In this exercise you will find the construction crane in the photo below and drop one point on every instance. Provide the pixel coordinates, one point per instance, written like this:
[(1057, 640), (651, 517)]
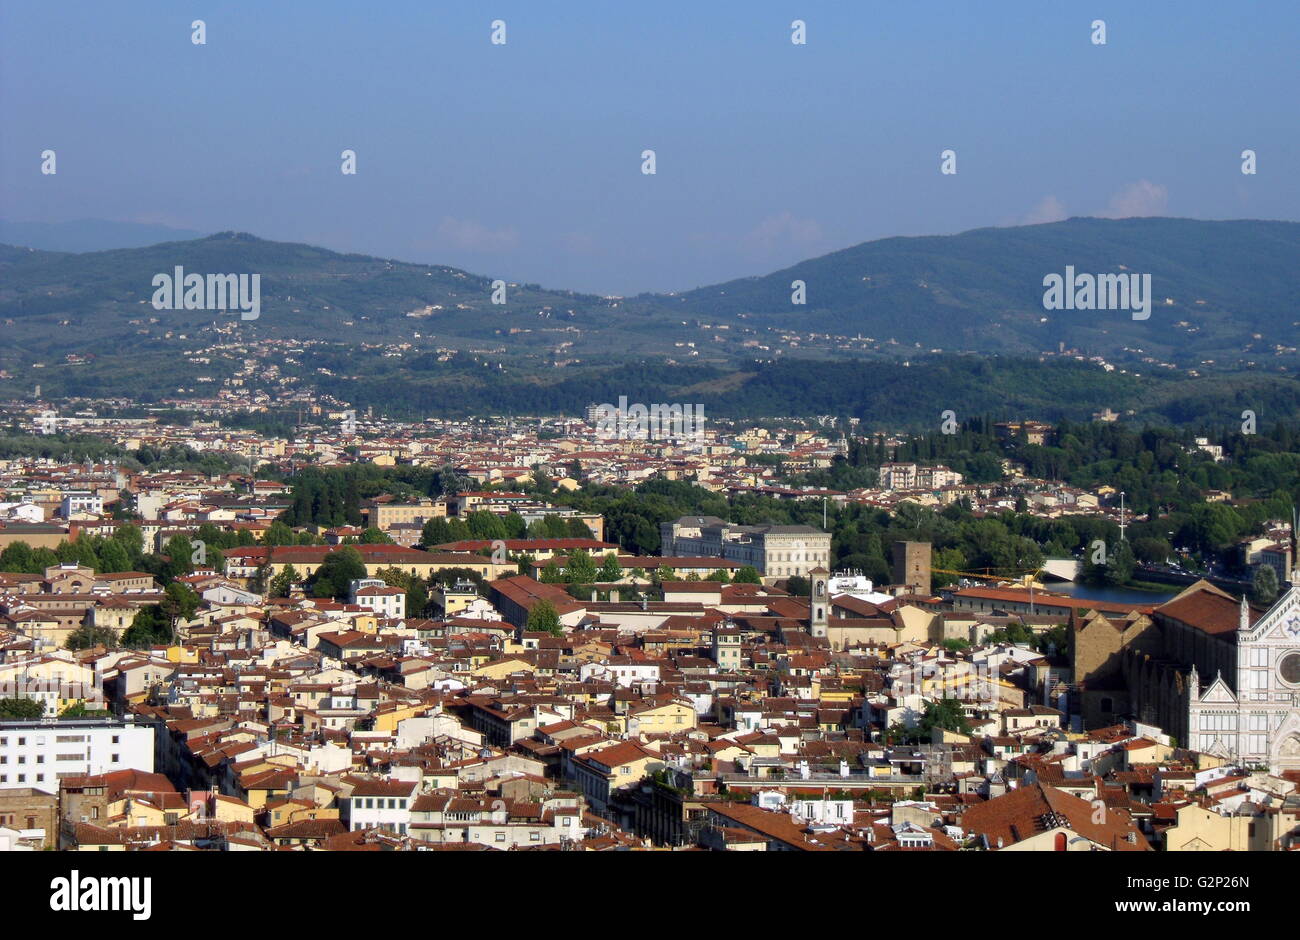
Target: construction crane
[(1028, 575)]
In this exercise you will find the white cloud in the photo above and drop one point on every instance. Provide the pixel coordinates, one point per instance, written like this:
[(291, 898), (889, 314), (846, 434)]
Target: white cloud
[(1048, 209), (781, 231), (470, 235), (1137, 199)]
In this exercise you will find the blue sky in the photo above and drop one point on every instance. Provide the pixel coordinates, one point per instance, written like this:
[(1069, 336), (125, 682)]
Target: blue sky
[(523, 161)]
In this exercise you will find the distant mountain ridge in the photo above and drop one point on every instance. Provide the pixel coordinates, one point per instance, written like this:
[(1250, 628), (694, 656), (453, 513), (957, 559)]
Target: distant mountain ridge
[(977, 291), (982, 289), (1227, 298)]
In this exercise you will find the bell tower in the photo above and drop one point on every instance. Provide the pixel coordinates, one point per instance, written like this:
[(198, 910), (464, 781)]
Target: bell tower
[(1295, 548), (819, 599)]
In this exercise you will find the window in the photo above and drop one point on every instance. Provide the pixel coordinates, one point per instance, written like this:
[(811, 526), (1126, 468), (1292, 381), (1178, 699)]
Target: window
[(1289, 669), (501, 837)]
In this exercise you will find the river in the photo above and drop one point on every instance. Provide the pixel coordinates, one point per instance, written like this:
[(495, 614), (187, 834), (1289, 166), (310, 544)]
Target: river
[(1117, 595)]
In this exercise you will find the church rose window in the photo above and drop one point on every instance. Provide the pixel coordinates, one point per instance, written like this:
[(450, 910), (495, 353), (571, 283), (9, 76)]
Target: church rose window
[(1290, 668)]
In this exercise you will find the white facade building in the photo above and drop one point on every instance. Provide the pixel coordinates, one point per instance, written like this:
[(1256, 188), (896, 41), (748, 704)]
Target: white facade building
[(381, 804), (76, 502), (385, 601), (1255, 720), (623, 671), (39, 753)]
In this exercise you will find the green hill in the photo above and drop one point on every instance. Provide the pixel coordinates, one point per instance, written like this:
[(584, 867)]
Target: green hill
[(888, 332), (982, 290)]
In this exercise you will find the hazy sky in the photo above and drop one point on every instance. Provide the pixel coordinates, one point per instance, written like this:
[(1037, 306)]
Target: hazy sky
[(524, 160)]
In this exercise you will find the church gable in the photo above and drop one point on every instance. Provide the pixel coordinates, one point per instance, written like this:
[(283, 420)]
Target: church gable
[(1282, 622), (1218, 693)]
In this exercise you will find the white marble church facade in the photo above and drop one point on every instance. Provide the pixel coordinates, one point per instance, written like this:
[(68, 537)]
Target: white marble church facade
[(1253, 718)]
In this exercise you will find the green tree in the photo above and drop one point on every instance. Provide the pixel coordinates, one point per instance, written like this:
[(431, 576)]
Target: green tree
[(278, 534), (335, 575), (417, 598), (151, 627), (180, 552), (79, 710), (113, 557), (18, 558), (1152, 550), (945, 713), (436, 531), (180, 602), (1119, 565), (579, 569), (282, 584), (25, 709), (485, 525), (86, 637), (1263, 585), (543, 618), (748, 575), (610, 569), (950, 559), (662, 574)]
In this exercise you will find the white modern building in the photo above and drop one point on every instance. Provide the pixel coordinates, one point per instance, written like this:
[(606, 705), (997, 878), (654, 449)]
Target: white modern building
[(40, 753), (79, 502)]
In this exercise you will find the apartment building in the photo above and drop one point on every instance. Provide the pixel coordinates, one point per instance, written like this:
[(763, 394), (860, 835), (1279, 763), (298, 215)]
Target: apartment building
[(383, 512), (379, 597), (910, 476), (40, 753)]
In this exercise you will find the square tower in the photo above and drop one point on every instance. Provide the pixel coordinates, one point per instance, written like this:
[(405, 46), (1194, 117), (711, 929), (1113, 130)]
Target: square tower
[(912, 566)]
